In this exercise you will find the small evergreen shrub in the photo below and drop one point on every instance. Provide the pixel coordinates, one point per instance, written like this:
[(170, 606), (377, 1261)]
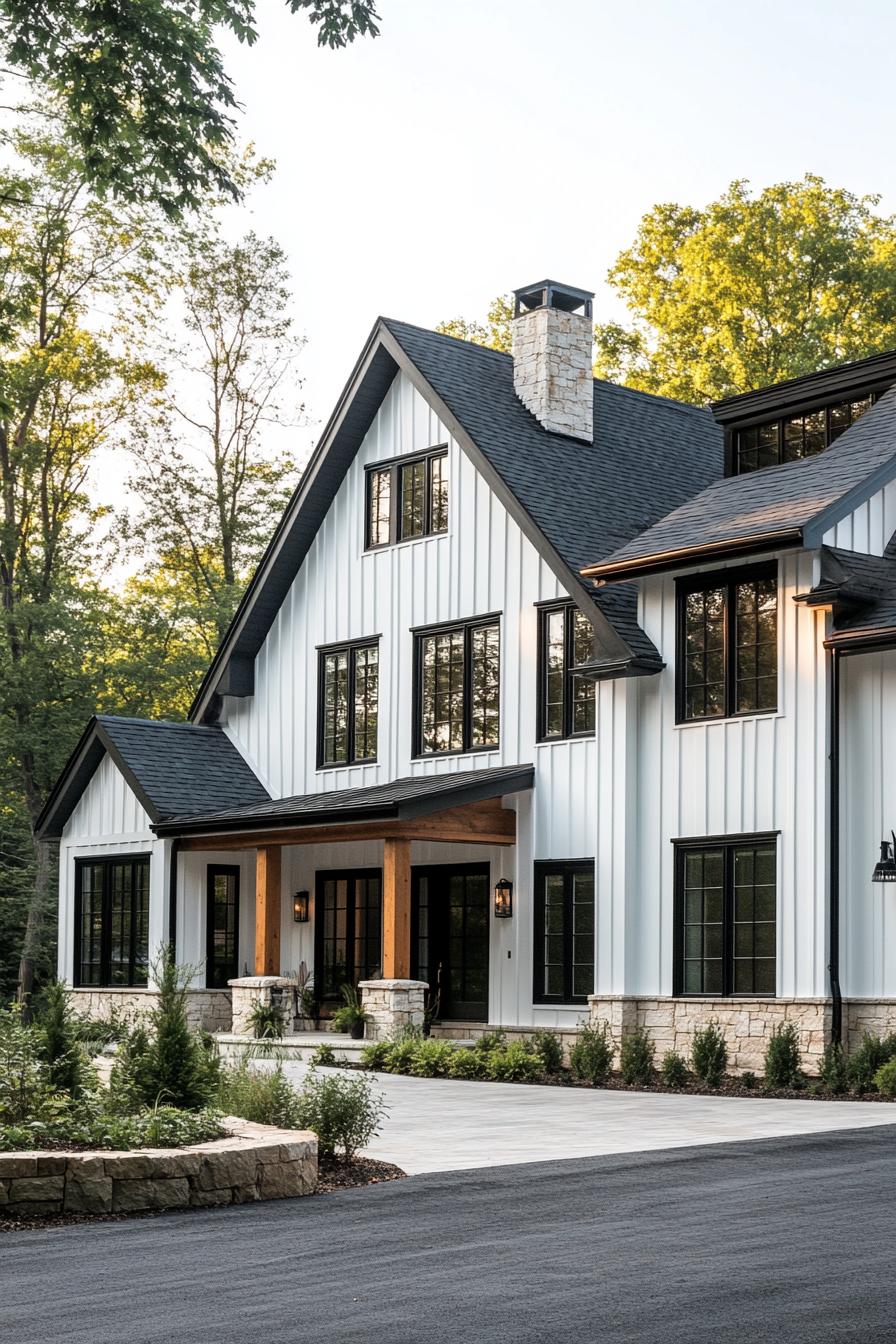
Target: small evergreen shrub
[(263, 1096), (377, 1055), (674, 1070), (343, 1111), (68, 1069), (431, 1059), (885, 1079), (833, 1074), (636, 1058), (709, 1054), (401, 1056), (26, 1090), (592, 1055), (323, 1057), (782, 1057), (515, 1063), (548, 1046), (864, 1063), (467, 1064), (748, 1079)]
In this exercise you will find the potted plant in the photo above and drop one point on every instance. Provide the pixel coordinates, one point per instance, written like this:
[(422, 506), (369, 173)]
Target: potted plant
[(350, 1017), (307, 1008)]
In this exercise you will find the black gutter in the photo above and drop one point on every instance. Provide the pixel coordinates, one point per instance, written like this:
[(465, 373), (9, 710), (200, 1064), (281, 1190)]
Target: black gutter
[(172, 898), (834, 853), (620, 571)]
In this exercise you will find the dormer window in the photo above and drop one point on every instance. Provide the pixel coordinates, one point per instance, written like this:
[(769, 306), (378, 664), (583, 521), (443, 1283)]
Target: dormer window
[(407, 498), (796, 436)]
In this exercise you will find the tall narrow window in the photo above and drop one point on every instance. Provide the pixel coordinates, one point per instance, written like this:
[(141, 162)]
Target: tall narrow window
[(407, 498), (566, 699), (564, 932), (112, 921), (222, 922), (458, 681), (348, 704), (725, 915), (348, 925), (728, 645)]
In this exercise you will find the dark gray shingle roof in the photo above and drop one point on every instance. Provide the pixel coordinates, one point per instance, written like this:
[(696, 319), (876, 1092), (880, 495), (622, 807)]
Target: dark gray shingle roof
[(793, 503), (864, 593)]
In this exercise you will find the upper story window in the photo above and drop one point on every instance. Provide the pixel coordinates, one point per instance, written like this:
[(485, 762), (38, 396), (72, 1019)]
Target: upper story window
[(348, 696), (796, 436), (111, 921), (566, 699), (727, 660), (407, 498), (457, 680)]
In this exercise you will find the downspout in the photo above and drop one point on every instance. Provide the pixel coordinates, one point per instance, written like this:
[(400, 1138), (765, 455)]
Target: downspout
[(172, 898), (834, 852)]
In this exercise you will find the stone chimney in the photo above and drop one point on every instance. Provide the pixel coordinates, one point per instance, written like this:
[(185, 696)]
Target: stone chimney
[(552, 374)]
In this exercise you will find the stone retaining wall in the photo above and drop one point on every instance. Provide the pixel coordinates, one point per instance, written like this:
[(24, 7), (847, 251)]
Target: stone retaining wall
[(253, 1162), (208, 1009)]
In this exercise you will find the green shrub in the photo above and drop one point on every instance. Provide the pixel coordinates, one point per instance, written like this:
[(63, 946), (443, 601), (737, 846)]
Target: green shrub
[(709, 1054), (885, 1079), (409, 1032), (323, 1057), (748, 1079), (87, 1122), (549, 1047), (344, 1112), (490, 1040), (26, 1090), (636, 1058), (592, 1055), (68, 1069), (515, 1063), (782, 1057), (674, 1070), (266, 1020), (401, 1056), (864, 1063), (95, 1035), (431, 1059), (263, 1096), (350, 1013), (377, 1055), (833, 1073), (466, 1063)]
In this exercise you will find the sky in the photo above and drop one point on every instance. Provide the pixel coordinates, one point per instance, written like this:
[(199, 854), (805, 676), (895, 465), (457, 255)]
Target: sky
[(480, 145)]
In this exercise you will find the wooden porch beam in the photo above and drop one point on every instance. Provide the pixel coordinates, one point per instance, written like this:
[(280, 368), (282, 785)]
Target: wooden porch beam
[(397, 910), (267, 910)]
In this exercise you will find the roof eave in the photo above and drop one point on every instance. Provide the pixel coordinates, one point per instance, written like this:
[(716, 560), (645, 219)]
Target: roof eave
[(618, 571)]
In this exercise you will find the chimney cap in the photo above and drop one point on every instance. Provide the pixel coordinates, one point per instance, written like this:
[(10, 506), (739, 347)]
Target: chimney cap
[(550, 294)]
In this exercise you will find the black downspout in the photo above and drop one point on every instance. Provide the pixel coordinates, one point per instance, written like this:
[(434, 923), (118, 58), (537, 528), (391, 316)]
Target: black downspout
[(834, 853), (172, 899)]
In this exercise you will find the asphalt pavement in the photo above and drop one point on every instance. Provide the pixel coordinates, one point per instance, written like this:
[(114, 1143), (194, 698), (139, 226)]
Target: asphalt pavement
[(784, 1241)]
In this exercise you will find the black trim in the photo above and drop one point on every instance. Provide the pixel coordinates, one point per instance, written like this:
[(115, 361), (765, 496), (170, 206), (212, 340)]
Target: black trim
[(844, 382), (140, 858), (834, 657), (570, 671), (468, 627), (728, 844), (567, 868), (351, 876), (350, 647), (395, 466), (618, 571), (729, 579), (212, 871)]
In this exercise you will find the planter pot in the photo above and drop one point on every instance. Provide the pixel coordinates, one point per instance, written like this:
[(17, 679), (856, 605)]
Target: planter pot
[(357, 1031), (426, 1028)]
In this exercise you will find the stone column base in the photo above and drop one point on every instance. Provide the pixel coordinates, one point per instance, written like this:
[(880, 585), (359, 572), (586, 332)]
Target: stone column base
[(252, 989), (392, 1004)]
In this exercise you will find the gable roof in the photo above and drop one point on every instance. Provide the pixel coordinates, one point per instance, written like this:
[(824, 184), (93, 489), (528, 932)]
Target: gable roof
[(171, 768), (861, 589), (789, 505), (573, 500)]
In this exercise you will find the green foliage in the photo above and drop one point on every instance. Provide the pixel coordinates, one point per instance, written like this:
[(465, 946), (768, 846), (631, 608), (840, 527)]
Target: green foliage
[(636, 1054), (266, 1020), (833, 1073), (401, 1055), (263, 1096), (489, 1041), (26, 1092), (142, 89), (782, 1057), (89, 1124), (466, 1063), (350, 1013), (344, 1112), (67, 1066), (709, 1054), (674, 1070), (591, 1057), (864, 1063), (885, 1079), (431, 1059), (323, 1057), (377, 1055), (495, 333), (515, 1063), (549, 1047), (748, 1079)]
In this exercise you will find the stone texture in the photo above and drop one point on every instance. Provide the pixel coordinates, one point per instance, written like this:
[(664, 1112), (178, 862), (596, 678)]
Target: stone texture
[(153, 1193), (252, 989), (552, 373), (208, 1009), (392, 1004), (30, 1188), (86, 1193)]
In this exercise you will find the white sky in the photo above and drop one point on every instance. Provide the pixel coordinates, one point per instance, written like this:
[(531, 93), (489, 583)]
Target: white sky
[(478, 145)]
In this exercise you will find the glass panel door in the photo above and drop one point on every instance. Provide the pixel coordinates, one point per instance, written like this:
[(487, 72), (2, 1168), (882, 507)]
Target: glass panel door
[(451, 937)]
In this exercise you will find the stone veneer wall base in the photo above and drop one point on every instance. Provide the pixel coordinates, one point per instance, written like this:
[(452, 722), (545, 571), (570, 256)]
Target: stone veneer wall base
[(207, 1009), (392, 1004)]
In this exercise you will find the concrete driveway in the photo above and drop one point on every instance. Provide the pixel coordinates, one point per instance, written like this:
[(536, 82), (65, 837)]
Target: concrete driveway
[(442, 1125)]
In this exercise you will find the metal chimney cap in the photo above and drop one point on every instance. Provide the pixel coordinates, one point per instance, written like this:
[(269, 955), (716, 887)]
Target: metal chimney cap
[(550, 294)]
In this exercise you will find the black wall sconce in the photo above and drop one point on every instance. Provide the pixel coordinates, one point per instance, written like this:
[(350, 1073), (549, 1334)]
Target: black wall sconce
[(300, 907), (885, 868), (503, 899)]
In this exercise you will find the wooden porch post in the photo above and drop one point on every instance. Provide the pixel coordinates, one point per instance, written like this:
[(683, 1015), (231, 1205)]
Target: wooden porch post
[(267, 910), (396, 909)]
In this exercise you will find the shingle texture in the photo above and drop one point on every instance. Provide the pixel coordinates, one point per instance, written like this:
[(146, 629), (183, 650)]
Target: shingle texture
[(182, 767), (869, 582), (792, 496), (400, 798)]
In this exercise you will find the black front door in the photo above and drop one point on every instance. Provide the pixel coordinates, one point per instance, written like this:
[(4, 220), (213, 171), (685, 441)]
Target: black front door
[(450, 937)]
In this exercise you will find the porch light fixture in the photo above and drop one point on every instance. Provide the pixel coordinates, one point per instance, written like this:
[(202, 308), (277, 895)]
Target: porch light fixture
[(503, 899), (885, 868), (300, 907)]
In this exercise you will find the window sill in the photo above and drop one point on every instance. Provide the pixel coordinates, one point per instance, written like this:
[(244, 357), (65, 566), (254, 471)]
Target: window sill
[(563, 741), (724, 998)]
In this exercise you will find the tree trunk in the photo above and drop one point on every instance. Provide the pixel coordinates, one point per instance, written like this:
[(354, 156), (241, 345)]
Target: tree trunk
[(34, 925)]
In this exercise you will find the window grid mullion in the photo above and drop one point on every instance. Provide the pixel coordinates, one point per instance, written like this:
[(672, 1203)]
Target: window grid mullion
[(567, 936), (567, 675), (350, 708), (106, 935), (467, 691)]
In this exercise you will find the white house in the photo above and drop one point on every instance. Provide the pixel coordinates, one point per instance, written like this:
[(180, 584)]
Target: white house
[(517, 626)]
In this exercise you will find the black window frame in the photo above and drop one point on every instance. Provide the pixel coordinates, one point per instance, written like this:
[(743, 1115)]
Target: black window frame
[(351, 876), (468, 627), (396, 466), (730, 580), (568, 869), (212, 871), (107, 862), (570, 610), (350, 648), (728, 844), (828, 408)]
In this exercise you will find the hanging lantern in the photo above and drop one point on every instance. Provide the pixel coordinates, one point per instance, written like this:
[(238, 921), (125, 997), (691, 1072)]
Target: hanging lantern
[(300, 907), (885, 868), (503, 899)]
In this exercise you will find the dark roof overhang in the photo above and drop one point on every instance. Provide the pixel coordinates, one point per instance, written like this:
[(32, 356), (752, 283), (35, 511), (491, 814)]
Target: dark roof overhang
[(862, 641), (876, 373), (639, 566), (77, 773)]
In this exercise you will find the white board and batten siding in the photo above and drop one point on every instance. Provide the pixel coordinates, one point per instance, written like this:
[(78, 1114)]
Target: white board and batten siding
[(482, 565), (870, 527)]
